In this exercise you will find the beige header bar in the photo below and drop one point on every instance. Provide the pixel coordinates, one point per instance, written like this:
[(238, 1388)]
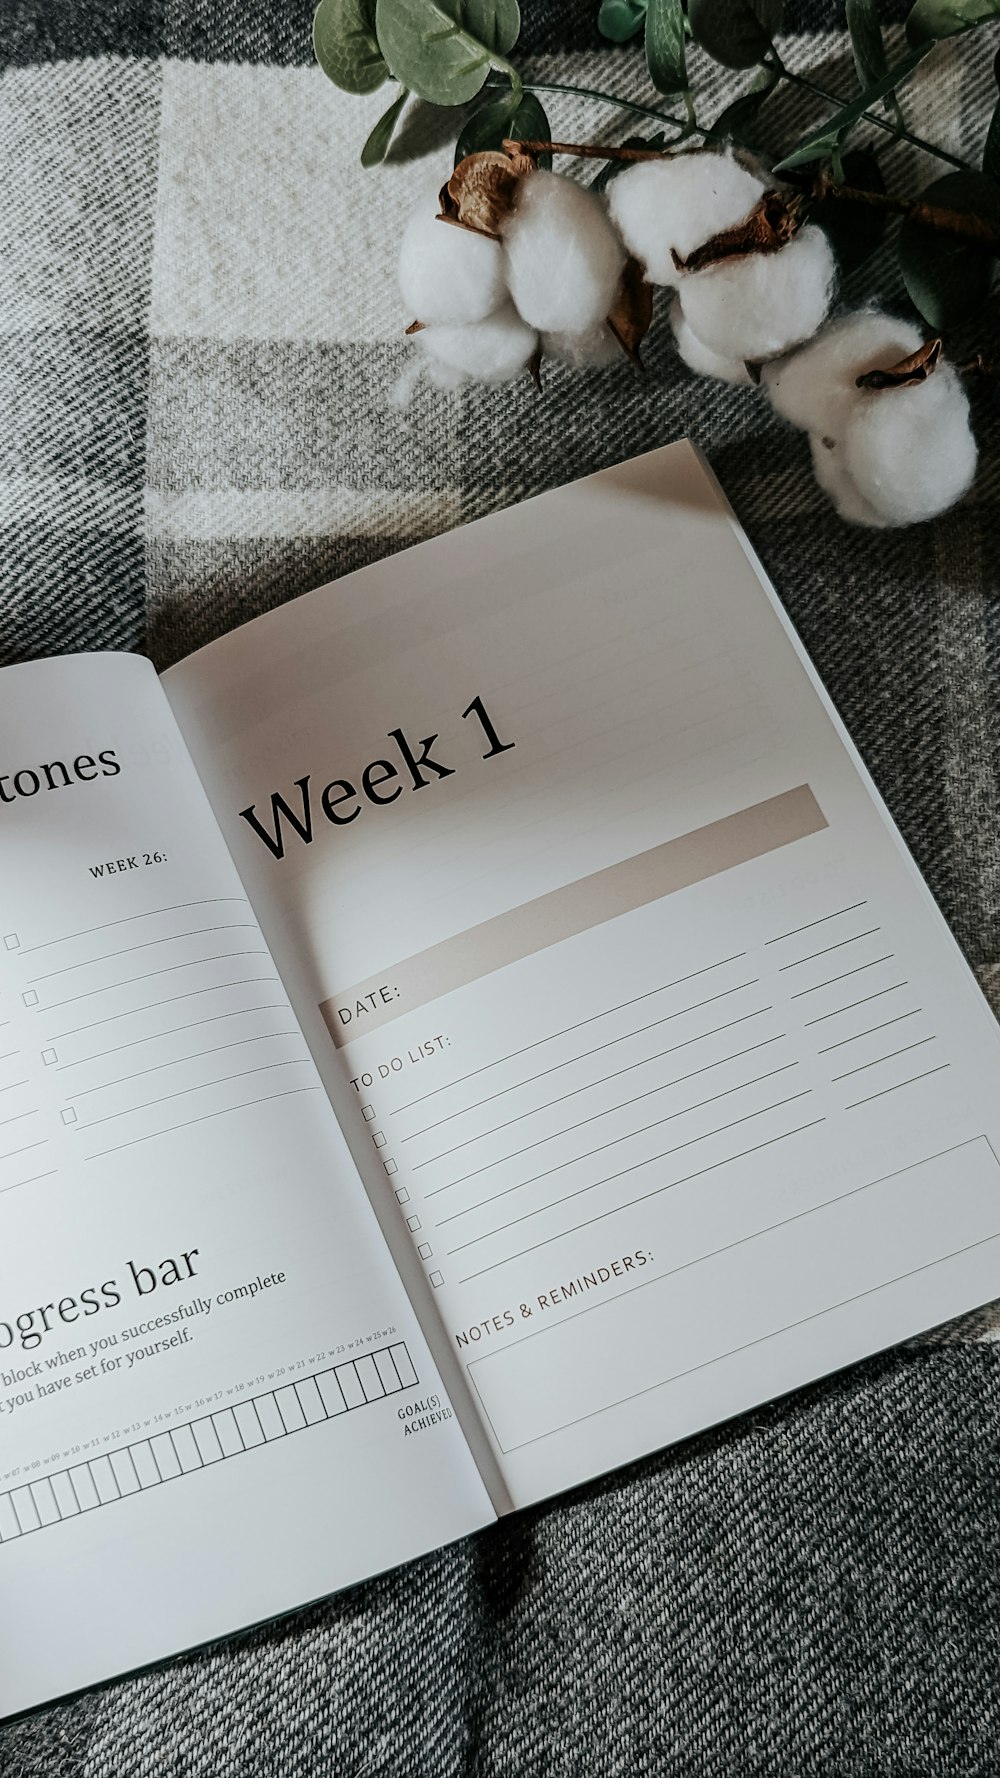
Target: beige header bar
[(577, 907)]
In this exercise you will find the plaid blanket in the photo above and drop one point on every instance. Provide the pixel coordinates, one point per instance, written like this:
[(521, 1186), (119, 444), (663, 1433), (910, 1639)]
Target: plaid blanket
[(202, 416)]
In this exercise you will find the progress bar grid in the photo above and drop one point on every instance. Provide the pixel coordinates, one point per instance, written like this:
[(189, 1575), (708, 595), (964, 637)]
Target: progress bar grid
[(196, 1444)]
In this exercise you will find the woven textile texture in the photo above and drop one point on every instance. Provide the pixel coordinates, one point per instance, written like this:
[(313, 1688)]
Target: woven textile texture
[(204, 410)]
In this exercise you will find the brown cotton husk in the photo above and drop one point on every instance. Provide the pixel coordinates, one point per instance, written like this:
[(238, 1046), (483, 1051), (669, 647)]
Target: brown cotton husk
[(773, 222), (480, 193), (632, 314), (920, 365)]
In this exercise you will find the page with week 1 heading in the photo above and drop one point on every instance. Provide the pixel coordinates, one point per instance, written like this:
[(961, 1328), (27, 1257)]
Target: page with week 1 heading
[(215, 1400), (649, 1039)]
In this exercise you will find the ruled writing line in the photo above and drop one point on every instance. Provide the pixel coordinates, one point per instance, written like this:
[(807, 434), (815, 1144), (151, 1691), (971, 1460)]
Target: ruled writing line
[(898, 1087), (661, 1087), (169, 969), (864, 1066), (584, 1054), (820, 922), (802, 992), (153, 1005), (825, 952), (227, 1111), (634, 1167), (204, 1086), (837, 1010), (870, 1032), (617, 1208), (178, 1061), (68, 937), (606, 1013), (173, 1030), (699, 1105), (169, 939)]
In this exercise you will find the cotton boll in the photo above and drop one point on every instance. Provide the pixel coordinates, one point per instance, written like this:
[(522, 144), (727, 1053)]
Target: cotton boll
[(699, 357), (492, 351), (816, 387), (583, 351), (762, 304), (563, 257), (834, 480), (447, 273), (677, 205), (911, 451)]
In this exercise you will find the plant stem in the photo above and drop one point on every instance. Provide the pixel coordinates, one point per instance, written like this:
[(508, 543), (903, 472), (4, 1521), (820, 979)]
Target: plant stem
[(686, 125), (961, 223), (895, 130)]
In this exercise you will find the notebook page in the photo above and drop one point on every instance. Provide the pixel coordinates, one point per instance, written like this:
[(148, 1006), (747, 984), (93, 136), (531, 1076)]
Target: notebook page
[(647, 1035), (190, 1273)]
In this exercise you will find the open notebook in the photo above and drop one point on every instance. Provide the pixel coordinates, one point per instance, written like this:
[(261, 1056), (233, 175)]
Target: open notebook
[(467, 1029)]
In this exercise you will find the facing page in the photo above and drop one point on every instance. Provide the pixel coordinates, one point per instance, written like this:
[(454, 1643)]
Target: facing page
[(215, 1400)]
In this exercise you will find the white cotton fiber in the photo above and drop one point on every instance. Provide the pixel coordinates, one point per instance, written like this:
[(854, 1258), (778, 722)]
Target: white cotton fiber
[(492, 351), (448, 273), (762, 304), (700, 358), (583, 351), (910, 451), (828, 464), (679, 204), (563, 257), (816, 387)]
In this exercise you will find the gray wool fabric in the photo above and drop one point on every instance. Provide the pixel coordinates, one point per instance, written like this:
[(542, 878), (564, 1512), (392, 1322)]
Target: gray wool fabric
[(205, 409)]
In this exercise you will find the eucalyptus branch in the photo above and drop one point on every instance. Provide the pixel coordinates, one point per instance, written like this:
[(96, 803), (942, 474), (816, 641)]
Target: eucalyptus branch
[(895, 129), (686, 126)]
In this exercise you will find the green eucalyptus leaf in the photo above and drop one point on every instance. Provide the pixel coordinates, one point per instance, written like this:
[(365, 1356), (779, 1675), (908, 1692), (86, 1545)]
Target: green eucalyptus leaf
[(487, 126), (740, 119), (611, 169), (991, 150), (665, 34), (737, 33), (854, 230), (931, 19), (346, 47), (530, 124), (444, 49), (377, 146), (946, 278), (866, 41), (821, 142), (621, 20), (491, 123)]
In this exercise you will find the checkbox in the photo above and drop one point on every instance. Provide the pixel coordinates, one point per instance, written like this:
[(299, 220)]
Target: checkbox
[(29, 997), (413, 1223), (368, 1112), (390, 1167), (11, 941), (69, 1115), (437, 1280), (378, 1138), (425, 1250), (402, 1196), (49, 1058)]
